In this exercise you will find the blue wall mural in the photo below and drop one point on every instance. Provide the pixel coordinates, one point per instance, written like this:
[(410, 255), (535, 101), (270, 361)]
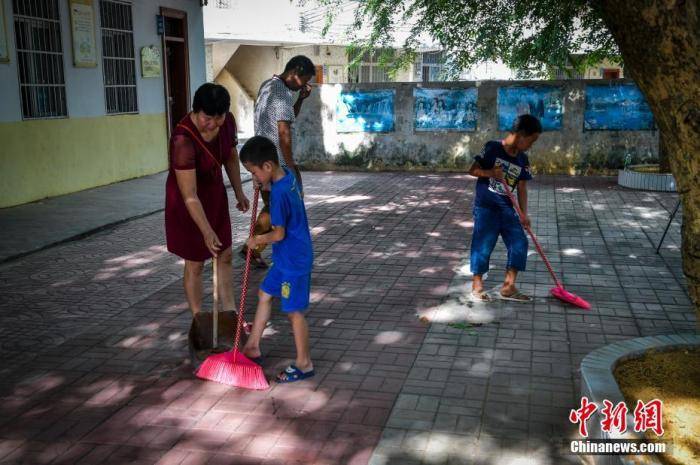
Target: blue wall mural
[(619, 107), (445, 109), (365, 111), (544, 102)]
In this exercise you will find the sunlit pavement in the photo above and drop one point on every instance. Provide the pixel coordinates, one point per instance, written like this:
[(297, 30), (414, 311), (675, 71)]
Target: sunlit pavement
[(94, 363)]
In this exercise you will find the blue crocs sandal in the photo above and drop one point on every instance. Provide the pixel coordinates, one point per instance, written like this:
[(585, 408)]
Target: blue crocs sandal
[(292, 374)]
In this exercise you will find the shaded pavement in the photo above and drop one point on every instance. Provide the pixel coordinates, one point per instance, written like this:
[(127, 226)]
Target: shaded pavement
[(93, 334)]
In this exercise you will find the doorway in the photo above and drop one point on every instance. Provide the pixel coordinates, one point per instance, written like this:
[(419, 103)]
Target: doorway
[(177, 72), (612, 73)]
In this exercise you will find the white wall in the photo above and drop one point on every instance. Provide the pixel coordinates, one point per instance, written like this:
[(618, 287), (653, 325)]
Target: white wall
[(242, 106), (254, 20), (85, 86), (252, 65)]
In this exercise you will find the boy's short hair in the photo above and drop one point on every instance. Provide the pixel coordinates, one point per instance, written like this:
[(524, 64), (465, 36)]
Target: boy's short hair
[(257, 150), (301, 65), (212, 99), (526, 125)]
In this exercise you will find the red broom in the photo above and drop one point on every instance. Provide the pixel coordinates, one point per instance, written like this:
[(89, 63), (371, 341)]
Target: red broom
[(559, 292), (232, 367)]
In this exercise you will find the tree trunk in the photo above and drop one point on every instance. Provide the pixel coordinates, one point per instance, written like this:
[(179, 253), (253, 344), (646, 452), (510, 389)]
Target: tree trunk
[(664, 161), (660, 44)]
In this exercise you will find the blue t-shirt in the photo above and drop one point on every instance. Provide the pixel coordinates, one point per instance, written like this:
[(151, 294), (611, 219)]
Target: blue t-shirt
[(294, 254), (489, 192)]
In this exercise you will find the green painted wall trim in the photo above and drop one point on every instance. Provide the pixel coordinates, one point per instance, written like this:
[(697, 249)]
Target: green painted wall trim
[(45, 158)]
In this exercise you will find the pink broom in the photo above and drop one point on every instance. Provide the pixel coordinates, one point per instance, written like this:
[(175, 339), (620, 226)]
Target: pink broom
[(558, 291), (232, 367)]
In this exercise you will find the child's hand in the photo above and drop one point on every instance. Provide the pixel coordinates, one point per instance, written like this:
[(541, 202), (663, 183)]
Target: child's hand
[(525, 221), (497, 172), (252, 242)]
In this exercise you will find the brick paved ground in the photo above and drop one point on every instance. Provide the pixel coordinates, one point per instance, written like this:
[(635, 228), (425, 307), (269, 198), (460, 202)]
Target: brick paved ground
[(93, 334)]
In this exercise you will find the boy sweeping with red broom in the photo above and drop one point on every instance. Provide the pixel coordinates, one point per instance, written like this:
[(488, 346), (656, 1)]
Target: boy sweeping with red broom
[(502, 162), (289, 278)]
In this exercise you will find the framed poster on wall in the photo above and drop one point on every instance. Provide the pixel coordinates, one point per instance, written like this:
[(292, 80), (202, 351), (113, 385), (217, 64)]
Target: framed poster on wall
[(4, 52), (82, 24), (444, 109), (616, 107), (544, 102), (150, 61), (365, 111)]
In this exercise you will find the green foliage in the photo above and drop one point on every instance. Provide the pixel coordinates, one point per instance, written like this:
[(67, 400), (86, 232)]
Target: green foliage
[(613, 158), (464, 327), (528, 35), (359, 158)]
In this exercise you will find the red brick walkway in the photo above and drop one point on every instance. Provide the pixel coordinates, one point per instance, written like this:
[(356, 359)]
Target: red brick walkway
[(94, 360), (93, 363)]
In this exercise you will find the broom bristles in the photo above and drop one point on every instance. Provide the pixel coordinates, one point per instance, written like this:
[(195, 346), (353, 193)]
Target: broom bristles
[(234, 369), (568, 297)]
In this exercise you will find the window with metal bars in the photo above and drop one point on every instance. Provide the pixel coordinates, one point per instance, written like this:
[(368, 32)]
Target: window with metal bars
[(118, 57), (561, 73), (433, 58), (368, 73), (40, 58), (369, 69), (433, 66)]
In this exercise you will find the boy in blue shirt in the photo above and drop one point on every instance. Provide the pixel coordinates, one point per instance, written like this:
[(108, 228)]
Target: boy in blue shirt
[(289, 278), (494, 214)]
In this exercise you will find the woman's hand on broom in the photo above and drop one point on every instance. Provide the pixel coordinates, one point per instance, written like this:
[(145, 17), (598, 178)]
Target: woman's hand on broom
[(525, 221), (211, 240)]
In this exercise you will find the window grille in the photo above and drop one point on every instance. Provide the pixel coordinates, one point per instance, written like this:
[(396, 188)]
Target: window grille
[(40, 58), (369, 69), (433, 58), (118, 58), (433, 66), (561, 73)]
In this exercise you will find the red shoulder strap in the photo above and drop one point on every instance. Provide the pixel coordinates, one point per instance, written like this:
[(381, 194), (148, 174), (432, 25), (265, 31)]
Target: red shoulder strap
[(201, 144)]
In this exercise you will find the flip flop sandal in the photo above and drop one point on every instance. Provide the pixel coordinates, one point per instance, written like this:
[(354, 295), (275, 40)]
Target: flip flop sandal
[(476, 297), (517, 296), (292, 374)]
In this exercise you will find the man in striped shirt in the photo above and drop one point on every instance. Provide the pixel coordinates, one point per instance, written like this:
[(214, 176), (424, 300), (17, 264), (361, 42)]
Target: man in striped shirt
[(275, 112)]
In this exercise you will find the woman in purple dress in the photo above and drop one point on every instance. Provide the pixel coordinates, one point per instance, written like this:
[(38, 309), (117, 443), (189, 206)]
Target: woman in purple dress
[(197, 222)]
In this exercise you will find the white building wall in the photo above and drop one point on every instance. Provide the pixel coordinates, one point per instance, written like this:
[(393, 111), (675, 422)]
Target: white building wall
[(85, 86)]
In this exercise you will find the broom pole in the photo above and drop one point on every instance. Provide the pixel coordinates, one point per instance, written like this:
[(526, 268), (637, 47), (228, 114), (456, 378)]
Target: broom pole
[(215, 311), (246, 271), (514, 201)]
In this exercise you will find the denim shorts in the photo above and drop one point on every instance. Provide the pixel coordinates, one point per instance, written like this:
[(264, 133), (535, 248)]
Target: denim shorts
[(489, 223)]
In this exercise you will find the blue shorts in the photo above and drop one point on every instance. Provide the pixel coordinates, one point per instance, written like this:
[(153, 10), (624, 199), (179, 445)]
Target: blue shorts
[(488, 225), (293, 291)]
